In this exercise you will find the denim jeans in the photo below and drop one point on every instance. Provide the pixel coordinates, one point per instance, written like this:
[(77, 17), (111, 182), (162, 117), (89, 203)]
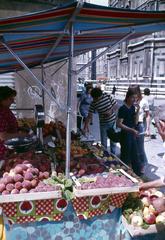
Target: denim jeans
[(103, 133), (140, 144)]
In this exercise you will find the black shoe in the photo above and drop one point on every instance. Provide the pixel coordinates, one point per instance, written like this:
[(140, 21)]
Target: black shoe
[(91, 123)]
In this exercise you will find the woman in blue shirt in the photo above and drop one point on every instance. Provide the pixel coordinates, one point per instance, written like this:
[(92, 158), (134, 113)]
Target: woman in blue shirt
[(127, 122)]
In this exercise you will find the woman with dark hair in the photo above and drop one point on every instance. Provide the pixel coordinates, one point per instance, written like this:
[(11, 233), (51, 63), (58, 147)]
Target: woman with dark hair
[(142, 120), (8, 122), (127, 122)]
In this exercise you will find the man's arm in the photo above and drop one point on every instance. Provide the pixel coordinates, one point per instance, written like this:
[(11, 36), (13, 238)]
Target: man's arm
[(153, 184), (161, 129), (147, 122)]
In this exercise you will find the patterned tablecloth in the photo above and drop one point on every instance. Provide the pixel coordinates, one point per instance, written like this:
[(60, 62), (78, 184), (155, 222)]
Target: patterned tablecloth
[(103, 227)]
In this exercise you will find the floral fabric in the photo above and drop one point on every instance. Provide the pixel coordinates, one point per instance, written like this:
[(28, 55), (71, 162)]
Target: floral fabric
[(105, 227)]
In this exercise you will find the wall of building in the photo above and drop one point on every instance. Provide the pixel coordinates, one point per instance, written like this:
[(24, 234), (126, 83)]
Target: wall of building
[(140, 61)]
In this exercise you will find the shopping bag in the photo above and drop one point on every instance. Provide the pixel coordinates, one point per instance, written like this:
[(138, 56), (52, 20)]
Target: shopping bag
[(114, 134)]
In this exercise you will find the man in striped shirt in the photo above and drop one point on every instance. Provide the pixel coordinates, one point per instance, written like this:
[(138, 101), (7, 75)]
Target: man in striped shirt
[(105, 105)]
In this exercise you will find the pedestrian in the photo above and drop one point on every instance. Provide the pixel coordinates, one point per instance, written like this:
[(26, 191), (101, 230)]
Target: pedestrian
[(150, 98), (106, 106), (84, 103), (113, 90), (143, 116), (127, 117)]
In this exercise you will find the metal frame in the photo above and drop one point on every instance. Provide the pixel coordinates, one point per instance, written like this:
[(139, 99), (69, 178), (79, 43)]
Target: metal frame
[(70, 21), (69, 107), (106, 50), (2, 41)]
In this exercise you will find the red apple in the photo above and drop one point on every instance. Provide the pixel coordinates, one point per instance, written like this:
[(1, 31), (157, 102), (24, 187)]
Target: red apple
[(150, 218), (153, 210), (159, 204)]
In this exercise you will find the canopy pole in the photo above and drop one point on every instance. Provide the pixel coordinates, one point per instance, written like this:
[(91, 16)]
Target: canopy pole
[(30, 72), (43, 94), (68, 127), (106, 50)]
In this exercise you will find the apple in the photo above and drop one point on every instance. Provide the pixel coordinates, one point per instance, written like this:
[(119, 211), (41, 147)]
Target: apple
[(160, 219), (150, 218), (162, 214), (159, 194), (145, 201), (145, 211), (147, 193), (136, 220), (153, 197), (153, 210), (159, 204)]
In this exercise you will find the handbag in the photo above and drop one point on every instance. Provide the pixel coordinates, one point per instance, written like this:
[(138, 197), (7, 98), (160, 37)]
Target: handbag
[(114, 133)]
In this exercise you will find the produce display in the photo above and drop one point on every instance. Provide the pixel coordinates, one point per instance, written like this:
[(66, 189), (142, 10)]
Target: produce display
[(145, 209), (40, 161), (66, 185), (106, 181), (24, 178), (26, 123)]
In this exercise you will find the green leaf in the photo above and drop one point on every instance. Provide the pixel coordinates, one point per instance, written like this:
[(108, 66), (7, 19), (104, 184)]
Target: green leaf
[(145, 226), (68, 195), (68, 183)]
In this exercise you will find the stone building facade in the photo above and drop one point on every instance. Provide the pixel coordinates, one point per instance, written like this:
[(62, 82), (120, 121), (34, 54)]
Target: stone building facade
[(139, 61)]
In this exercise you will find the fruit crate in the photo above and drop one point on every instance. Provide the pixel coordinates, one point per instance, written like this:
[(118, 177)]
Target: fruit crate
[(31, 207), (158, 229), (79, 192)]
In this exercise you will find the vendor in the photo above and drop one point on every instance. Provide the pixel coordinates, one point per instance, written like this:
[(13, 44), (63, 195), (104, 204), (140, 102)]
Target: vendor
[(8, 122)]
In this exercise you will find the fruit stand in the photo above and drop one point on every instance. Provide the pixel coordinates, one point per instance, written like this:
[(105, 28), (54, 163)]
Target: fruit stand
[(37, 200)]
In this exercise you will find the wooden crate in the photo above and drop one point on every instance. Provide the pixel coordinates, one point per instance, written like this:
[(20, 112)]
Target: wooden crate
[(138, 231)]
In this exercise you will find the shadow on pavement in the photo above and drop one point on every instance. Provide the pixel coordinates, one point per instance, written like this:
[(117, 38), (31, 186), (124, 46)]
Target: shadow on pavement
[(150, 172)]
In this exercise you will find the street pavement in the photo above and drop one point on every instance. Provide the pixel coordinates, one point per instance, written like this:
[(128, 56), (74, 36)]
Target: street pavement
[(153, 148)]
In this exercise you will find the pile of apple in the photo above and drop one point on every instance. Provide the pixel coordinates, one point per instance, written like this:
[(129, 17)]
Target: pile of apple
[(152, 209)]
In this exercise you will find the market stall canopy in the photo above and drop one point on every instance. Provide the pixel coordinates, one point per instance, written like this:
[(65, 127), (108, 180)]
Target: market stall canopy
[(44, 36)]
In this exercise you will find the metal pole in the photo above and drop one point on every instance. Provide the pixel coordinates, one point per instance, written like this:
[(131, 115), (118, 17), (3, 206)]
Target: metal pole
[(106, 50), (30, 72), (68, 130), (93, 65), (43, 94)]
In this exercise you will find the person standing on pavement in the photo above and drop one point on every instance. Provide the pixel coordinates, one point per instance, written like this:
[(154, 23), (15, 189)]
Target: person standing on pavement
[(143, 115), (126, 120), (84, 102), (106, 106), (150, 98), (113, 90)]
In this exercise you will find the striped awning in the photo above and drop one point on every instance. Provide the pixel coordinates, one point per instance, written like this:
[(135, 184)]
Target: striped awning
[(44, 36)]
